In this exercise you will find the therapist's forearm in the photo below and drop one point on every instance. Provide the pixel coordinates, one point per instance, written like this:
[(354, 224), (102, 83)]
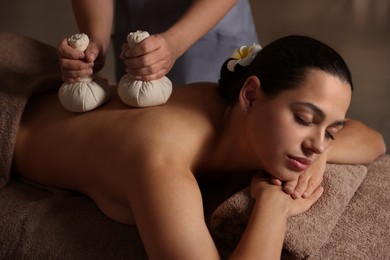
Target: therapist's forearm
[(199, 19), (95, 18)]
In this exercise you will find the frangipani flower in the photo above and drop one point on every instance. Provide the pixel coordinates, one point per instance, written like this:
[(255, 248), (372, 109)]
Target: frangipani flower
[(243, 56)]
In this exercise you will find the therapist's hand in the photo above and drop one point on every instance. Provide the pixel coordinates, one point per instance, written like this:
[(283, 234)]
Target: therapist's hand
[(151, 59), (75, 64)]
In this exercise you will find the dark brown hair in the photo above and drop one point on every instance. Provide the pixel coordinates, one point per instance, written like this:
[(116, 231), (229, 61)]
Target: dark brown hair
[(283, 65)]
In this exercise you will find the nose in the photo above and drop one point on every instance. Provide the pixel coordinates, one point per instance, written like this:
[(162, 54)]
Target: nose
[(316, 143)]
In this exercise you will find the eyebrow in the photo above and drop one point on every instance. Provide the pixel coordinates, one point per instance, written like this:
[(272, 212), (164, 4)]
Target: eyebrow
[(319, 112)]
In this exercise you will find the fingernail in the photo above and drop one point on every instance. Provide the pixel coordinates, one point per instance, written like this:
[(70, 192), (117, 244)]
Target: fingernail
[(296, 195), (276, 182)]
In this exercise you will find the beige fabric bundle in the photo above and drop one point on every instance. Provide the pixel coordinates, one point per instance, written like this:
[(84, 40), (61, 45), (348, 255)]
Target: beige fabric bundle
[(87, 94), (138, 93)]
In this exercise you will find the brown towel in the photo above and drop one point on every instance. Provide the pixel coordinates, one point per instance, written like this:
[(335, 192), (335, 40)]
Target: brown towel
[(26, 67), (363, 230), (41, 223), (305, 233)]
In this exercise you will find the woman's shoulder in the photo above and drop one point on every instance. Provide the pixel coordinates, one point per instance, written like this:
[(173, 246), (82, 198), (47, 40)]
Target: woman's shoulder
[(182, 127)]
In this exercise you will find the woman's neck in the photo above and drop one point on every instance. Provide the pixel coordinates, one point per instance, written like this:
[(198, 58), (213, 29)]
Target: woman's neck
[(231, 150)]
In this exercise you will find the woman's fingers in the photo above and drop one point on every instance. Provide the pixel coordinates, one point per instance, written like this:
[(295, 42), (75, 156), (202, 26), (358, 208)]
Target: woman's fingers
[(276, 182), (301, 205), (311, 186)]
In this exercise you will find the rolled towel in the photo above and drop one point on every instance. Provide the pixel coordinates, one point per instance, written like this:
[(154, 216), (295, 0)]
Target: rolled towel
[(305, 233), (87, 94), (138, 93)]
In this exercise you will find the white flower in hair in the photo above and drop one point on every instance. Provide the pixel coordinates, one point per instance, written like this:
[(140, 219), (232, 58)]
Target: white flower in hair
[(243, 56)]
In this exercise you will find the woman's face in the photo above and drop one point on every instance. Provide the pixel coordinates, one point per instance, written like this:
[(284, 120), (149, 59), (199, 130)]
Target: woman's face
[(289, 132)]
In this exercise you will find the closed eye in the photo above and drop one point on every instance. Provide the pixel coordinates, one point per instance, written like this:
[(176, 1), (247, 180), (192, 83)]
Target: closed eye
[(302, 121), (330, 136)]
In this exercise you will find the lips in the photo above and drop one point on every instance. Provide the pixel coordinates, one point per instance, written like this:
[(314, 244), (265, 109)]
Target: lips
[(298, 163)]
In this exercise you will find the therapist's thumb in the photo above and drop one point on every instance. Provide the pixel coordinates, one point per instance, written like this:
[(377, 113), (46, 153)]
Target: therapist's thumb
[(91, 52)]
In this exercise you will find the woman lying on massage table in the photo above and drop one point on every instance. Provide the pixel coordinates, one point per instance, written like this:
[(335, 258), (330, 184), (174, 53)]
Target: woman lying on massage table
[(280, 111)]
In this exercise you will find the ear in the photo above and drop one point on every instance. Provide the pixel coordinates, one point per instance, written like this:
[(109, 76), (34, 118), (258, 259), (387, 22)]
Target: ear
[(249, 93)]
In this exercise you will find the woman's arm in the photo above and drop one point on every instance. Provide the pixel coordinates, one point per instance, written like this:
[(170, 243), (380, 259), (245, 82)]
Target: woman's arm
[(264, 235), (356, 143), (159, 52), (167, 207)]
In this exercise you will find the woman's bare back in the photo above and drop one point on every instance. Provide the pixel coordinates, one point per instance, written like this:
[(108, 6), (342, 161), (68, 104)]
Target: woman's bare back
[(96, 152)]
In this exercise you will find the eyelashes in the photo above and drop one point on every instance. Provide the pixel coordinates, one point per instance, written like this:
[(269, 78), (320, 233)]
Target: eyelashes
[(306, 123), (330, 136), (302, 121)]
